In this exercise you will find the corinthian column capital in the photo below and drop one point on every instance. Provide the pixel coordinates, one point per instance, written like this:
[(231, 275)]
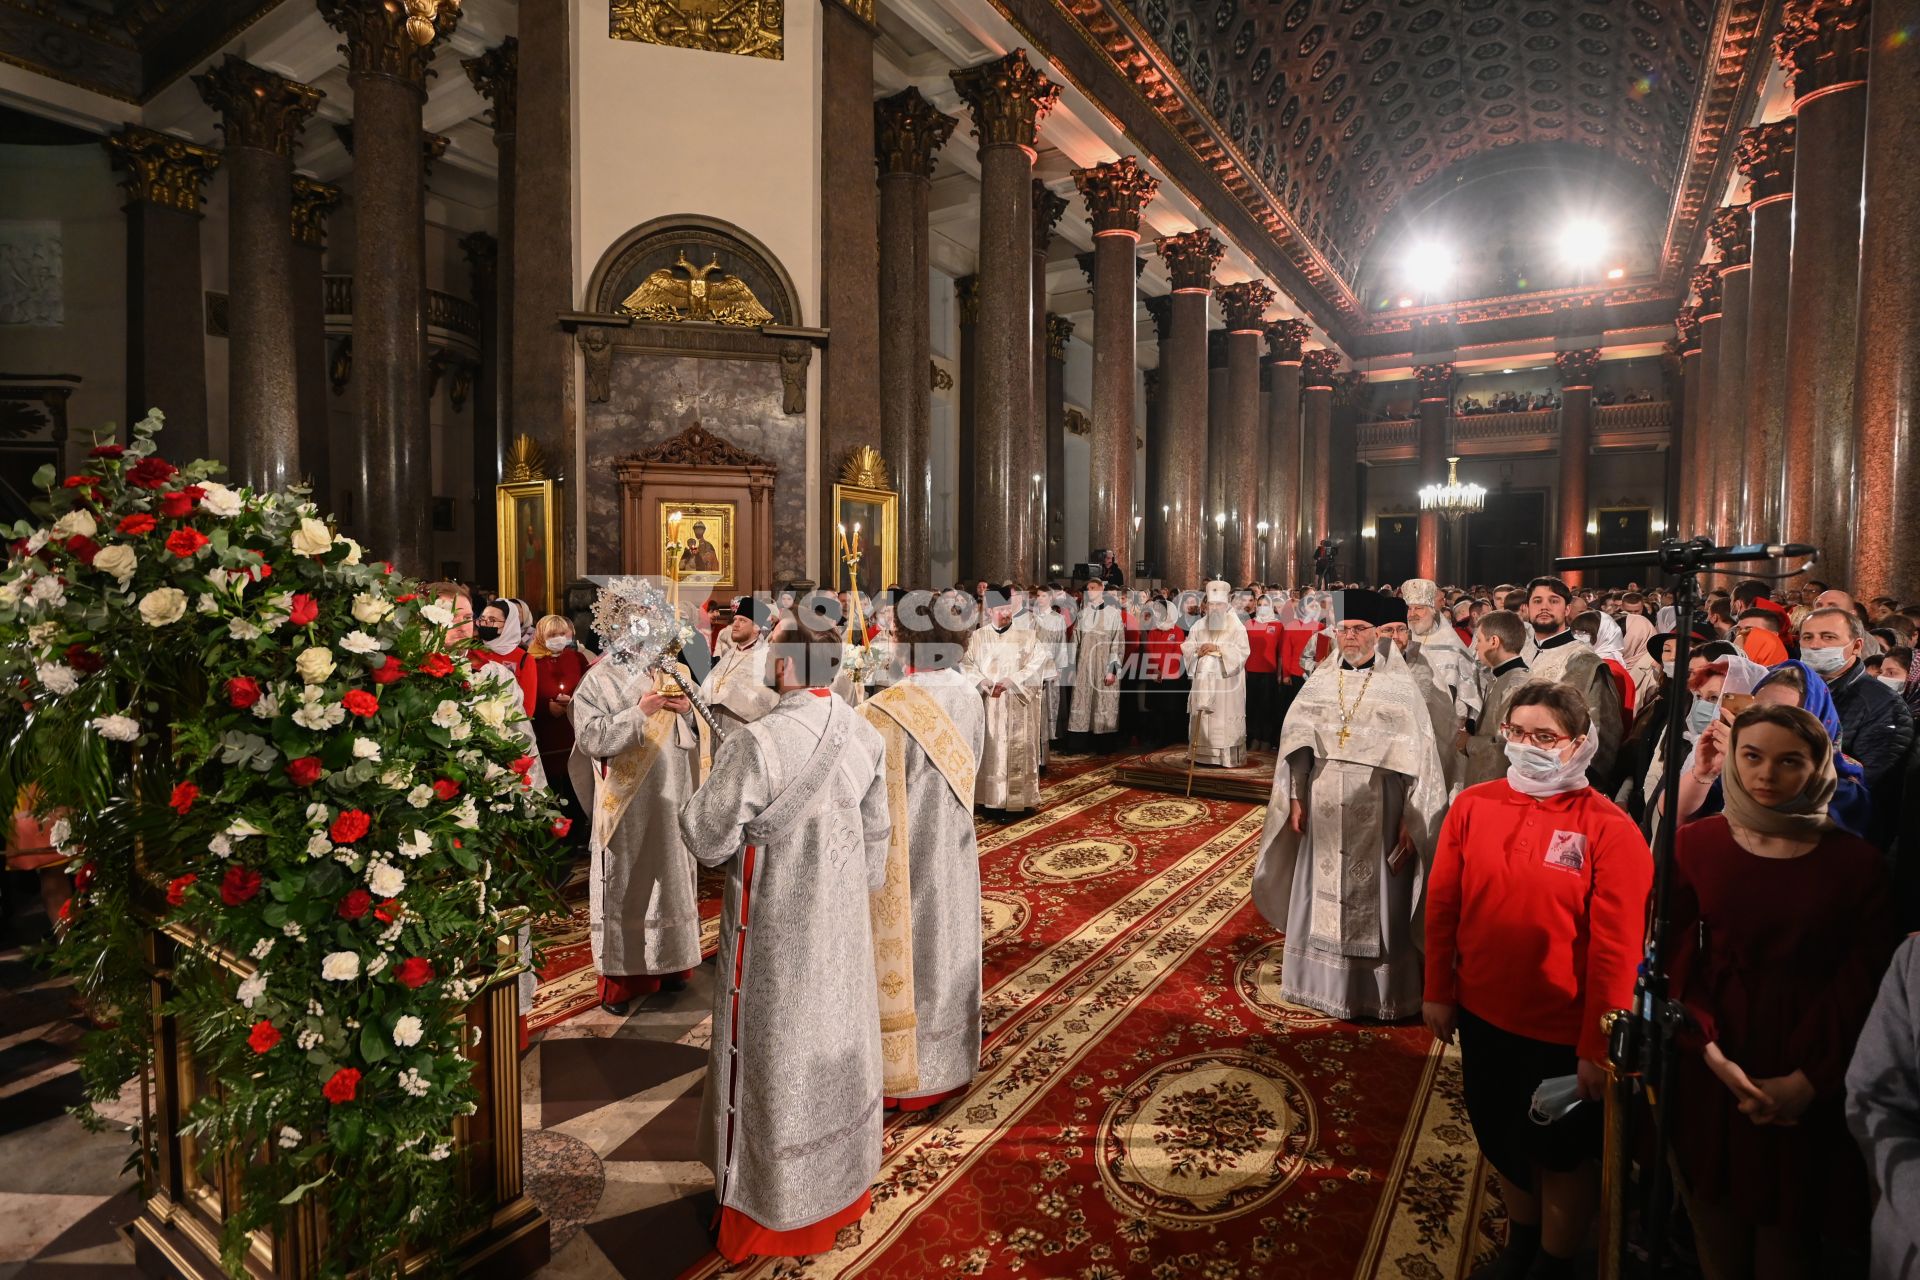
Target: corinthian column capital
[(1048, 209), (156, 168), (1191, 257), (495, 76), (1764, 156), (258, 109), (382, 40), (1008, 99), (1577, 367), (1285, 339), (1243, 305), (312, 201), (1823, 43), (1731, 228), (908, 132), (1318, 367), (1115, 193)]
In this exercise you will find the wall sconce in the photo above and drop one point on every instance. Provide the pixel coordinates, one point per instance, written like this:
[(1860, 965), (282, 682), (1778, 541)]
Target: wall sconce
[(1367, 532)]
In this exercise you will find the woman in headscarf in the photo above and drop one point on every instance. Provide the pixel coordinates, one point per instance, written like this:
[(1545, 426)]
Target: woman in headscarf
[(1636, 629), (499, 630), (1780, 928)]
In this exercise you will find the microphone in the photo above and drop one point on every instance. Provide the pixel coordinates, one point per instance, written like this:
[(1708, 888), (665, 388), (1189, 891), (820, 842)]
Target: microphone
[(1673, 553)]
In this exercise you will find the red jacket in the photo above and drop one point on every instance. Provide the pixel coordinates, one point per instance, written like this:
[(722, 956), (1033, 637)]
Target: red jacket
[(1536, 912), (1293, 643), (1160, 656), (1263, 646)]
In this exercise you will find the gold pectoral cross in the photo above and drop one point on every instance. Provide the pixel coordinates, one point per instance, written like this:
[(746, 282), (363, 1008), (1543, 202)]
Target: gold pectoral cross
[(1345, 733)]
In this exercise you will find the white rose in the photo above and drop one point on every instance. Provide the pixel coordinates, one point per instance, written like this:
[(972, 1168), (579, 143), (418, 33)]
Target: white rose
[(492, 712), (75, 524), (406, 1031), (311, 538), (218, 499), (118, 561), (116, 728), (315, 664), (49, 592), (386, 880), (353, 548), (366, 749), (58, 677), (370, 606), (340, 966), (163, 606), (62, 830), (39, 539), (437, 614), (361, 642), (447, 714)]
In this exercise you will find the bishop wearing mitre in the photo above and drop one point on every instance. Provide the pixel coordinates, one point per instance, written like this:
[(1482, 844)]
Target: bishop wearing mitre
[(1216, 652), (1008, 665), (1351, 825), (796, 812), (926, 918), (739, 687), (1456, 673), (1101, 633), (637, 754)]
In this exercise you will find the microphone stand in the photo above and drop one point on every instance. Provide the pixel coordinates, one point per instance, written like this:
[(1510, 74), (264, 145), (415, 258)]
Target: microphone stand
[(1642, 1040)]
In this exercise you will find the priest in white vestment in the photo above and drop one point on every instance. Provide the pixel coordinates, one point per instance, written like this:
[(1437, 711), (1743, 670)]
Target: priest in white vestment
[(632, 732), (1351, 825), (1008, 665), (1216, 653), (740, 685), (796, 811), (926, 919), (1100, 640)]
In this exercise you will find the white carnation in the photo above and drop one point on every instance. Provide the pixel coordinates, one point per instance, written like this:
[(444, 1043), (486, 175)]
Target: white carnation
[(163, 606), (241, 629), (117, 561), (311, 538), (386, 880), (219, 500), (361, 642), (314, 664), (370, 607), (116, 728), (416, 843), (251, 989), (437, 614), (58, 677), (340, 966), (366, 749)]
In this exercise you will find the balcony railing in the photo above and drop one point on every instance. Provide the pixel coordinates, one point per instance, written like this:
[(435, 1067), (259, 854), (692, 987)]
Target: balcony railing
[(452, 321), (1620, 426)]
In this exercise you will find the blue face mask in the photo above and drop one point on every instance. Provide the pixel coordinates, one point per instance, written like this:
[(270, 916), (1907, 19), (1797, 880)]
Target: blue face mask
[(1700, 715)]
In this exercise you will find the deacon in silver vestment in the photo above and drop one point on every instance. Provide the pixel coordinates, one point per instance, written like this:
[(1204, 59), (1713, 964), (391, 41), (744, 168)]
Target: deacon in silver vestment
[(1100, 634), (1008, 665)]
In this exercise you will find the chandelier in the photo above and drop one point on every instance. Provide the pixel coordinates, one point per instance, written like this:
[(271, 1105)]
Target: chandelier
[(1452, 499)]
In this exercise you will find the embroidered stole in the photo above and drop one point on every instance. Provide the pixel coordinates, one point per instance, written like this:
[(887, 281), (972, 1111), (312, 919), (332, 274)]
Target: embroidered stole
[(623, 775), (900, 712)]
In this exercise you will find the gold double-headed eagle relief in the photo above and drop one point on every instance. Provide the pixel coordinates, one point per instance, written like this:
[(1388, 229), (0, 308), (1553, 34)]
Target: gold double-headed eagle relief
[(749, 28), (664, 296)]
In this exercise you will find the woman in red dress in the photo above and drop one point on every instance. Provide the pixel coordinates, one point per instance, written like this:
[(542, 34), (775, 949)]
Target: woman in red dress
[(548, 675), (1781, 926)]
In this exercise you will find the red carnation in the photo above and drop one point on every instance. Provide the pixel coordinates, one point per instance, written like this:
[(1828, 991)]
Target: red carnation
[(184, 794), (260, 572), (177, 888), (350, 826), (265, 1035), (83, 548), (342, 1086), (239, 885), (413, 972), (561, 826), (407, 598), (78, 482), (83, 659), (186, 542), (445, 788), (107, 451), (136, 524), (151, 473), (435, 664), (305, 771), (389, 910), (360, 702), (83, 877), (179, 504), (243, 691), (303, 610), (522, 766), (355, 904), (389, 671)]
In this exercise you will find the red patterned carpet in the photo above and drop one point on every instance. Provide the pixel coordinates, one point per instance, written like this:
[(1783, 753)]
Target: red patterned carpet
[(1147, 1106)]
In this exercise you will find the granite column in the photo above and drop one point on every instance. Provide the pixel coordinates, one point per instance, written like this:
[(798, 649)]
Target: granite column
[(489, 468), (1213, 524), (1244, 306), (1435, 384), (966, 291), (1576, 451), (1317, 370), (1680, 445), (1048, 209), (1159, 309), (1282, 488), (1054, 453), (1190, 259), (1706, 285), (1766, 155), (495, 75), (1730, 229), (311, 203)]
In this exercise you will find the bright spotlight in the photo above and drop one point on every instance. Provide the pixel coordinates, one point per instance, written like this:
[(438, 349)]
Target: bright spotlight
[(1428, 266), (1582, 243)]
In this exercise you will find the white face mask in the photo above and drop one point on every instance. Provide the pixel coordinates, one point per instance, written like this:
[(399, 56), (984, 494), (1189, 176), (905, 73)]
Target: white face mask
[(1825, 661), (1535, 762), (1896, 683), (557, 643), (1667, 667)]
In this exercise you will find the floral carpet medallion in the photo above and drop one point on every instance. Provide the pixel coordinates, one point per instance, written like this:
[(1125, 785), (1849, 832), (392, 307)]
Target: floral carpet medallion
[(1205, 1138), (1078, 860), (1002, 915), (1257, 978), (1162, 815)]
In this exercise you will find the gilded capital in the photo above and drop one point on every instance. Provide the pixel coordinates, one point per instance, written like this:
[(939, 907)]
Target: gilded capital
[(1706, 286), (1686, 329), (432, 147), (495, 75), (1160, 310), (379, 42), (1764, 155), (1115, 193), (967, 290), (1008, 99), (258, 109), (908, 132), (1318, 367), (1285, 339), (312, 201), (1823, 43), (1059, 329), (1244, 305), (1048, 209), (1348, 388), (157, 168), (1731, 228), (1577, 367), (1435, 381), (1190, 258)]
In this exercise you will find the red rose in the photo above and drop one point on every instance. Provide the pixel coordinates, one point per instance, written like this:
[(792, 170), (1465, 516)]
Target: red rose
[(350, 826), (305, 771), (265, 1036), (184, 794), (83, 877), (342, 1086), (407, 598), (83, 659), (561, 826), (389, 671), (243, 691), (413, 972), (136, 524), (435, 664), (360, 702), (107, 451), (386, 567), (78, 482), (355, 904), (83, 548), (303, 610), (239, 885), (186, 542), (177, 889), (151, 473), (445, 788), (522, 766), (389, 910), (179, 504), (260, 572)]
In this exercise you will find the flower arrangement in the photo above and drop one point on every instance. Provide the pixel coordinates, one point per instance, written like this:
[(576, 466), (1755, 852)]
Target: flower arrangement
[(243, 731)]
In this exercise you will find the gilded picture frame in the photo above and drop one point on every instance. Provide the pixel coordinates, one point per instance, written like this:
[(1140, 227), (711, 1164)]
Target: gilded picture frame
[(877, 512), (708, 529), (529, 543)]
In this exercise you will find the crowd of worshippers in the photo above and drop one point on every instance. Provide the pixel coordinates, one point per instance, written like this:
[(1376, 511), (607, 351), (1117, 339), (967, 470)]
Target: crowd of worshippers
[(1464, 783)]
